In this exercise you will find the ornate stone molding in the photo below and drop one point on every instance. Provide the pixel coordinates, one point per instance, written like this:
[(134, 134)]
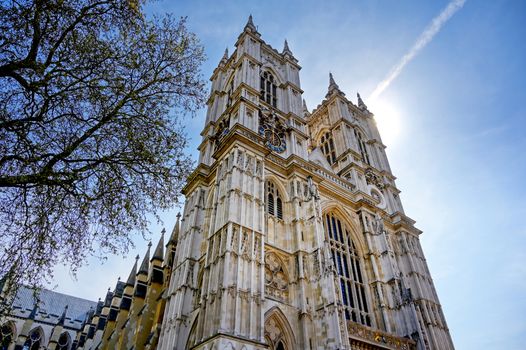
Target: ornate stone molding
[(384, 340)]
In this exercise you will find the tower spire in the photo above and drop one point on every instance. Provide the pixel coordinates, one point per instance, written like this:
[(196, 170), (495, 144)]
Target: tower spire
[(333, 87), (250, 25), (224, 58), (286, 49), (305, 109), (145, 261), (361, 105)]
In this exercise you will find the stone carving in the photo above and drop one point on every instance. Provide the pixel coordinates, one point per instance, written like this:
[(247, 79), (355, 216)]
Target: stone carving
[(361, 332), (276, 281), (372, 179), (272, 331), (221, 130), (378, 224)]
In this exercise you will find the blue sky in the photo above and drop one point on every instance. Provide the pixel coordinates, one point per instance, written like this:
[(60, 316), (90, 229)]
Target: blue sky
[(452, 120)]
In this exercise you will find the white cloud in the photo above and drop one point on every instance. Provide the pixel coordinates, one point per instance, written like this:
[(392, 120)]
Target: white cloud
[(425, 38)]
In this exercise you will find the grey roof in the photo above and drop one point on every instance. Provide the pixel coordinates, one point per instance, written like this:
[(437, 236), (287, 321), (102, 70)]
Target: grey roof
[(51, 307)]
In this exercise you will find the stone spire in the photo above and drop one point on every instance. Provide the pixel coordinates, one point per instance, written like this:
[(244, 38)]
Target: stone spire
[(145, 261), (224, 58), (286, 49), (305, 109), (133, 272), (250, 25), (333, 87), (159, 250), (361, 105)]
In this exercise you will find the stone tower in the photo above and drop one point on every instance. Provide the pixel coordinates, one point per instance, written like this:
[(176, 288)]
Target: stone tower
[(293, 235)]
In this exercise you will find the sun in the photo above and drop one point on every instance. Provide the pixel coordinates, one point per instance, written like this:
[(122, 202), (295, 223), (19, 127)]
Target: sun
[(388, 120)]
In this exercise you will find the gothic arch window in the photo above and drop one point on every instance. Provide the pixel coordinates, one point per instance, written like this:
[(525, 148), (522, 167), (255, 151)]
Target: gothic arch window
[(6, 335), (63, 341), (362, 146), (347, 262), (274, 201), (327, 147), (34, 340), (268, 88)]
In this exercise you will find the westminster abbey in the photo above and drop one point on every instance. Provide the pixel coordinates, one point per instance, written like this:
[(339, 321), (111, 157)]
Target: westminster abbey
[(293, 236)]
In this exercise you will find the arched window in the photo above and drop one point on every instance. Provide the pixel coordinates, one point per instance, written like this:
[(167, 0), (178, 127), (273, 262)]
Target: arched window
[(268, 89), (347, 263), (274, 201), (280, 346), (63, 341), (327, 147), (34, 340), (362, 146), (6, 335)]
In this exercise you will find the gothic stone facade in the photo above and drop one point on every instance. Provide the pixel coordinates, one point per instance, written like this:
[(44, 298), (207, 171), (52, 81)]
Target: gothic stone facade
[(293, 234)]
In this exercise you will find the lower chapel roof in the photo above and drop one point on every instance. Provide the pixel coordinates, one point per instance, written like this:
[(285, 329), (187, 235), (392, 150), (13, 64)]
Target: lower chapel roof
[(51, 307)]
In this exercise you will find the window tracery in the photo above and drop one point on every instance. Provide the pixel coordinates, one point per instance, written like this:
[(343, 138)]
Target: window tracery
[(63, 341), (327, 147), (347, 262), (274, 201), (6, 335), (268, 89), (362, 146), (34, 340)]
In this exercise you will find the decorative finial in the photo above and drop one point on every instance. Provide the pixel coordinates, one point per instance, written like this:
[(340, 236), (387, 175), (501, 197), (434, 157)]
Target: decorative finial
[(225, 57), (159, 251), (250, 25), (305, 109), (333, 87), (361, 105), (286, 49)]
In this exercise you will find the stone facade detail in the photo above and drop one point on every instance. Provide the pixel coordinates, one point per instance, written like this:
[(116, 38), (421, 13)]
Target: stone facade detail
[(293, 235)]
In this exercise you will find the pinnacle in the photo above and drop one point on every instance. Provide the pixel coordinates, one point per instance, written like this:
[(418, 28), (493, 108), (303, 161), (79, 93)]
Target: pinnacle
[(224, 58), (333, 87), (133, 272), (361, 105), (305, 109), (250, 25), (159, 251), (286, 49), (145, 261), (175, 233)]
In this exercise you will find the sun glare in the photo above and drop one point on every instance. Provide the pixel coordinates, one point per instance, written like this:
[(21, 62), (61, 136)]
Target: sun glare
[(388, 120)]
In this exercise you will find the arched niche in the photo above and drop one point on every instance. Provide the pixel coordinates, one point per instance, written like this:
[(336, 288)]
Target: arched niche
[(278, 333)]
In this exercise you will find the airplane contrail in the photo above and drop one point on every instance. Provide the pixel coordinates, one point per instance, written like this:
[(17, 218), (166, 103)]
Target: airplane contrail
[(427, 35)]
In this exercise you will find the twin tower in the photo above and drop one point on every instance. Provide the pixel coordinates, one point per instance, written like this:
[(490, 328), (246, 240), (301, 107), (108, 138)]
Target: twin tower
[(293, 235)]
